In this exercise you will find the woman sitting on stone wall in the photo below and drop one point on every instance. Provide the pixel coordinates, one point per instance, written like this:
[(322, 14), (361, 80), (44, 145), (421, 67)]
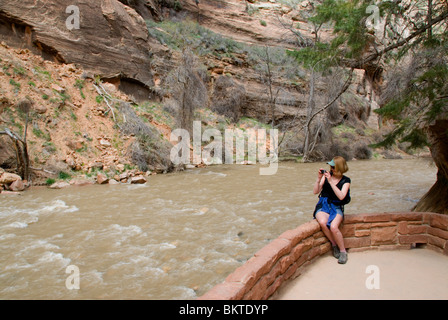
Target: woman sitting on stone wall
[(334, 192)]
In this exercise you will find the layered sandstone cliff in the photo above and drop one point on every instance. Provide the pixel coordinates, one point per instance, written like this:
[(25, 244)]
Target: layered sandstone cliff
[(105, 37)]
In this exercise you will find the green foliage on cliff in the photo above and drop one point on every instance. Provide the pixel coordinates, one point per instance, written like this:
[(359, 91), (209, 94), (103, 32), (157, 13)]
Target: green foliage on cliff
[(409, 39), (179, 35)]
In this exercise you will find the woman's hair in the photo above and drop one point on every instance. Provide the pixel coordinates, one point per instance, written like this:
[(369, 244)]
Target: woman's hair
[(340, 164)]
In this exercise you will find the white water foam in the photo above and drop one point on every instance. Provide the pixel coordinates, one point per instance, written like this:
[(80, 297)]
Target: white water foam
[(25, 217), (57, 205), (17, 225), (218, 174), (52, 258)]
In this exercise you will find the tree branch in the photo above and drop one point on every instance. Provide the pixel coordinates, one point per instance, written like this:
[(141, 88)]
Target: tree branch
[(344, 88), (359, 63), (12, 135), (106, 97)]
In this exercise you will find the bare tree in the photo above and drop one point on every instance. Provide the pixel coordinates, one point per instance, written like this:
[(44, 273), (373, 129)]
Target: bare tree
[(20, 143), (187, 90), (311, 130), (273, 66), (228, 97), (268, 79)]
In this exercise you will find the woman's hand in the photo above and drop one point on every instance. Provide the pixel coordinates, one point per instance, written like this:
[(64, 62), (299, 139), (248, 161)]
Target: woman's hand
[(320, 174)]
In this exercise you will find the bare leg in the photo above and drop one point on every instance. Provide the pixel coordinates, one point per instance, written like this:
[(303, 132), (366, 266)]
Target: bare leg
[(322, 219), (336, 233)]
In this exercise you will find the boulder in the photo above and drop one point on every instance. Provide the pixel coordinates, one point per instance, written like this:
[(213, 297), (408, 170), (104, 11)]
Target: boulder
[(113, 181), (101, 178), (39, 108), (17, 185), (81, 182), (8, 178), (105, 143), (138, 180), (123, 177), (75, 144), (110, 88), (60, 185)]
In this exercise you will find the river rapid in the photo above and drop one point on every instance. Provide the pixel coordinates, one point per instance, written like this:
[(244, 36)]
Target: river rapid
[(178, 235)]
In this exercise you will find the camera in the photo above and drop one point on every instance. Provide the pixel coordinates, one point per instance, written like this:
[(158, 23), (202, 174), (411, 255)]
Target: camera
[(323, 171)]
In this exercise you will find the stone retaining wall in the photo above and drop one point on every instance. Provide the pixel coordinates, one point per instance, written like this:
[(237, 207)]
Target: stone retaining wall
[(286, 257)]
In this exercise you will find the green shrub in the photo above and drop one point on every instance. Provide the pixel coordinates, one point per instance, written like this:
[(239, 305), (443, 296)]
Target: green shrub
[(16, 85), (99, 99), (80, 85), (64, 175), (187, 33)]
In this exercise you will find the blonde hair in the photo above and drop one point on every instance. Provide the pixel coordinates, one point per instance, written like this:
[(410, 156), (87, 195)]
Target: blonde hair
[(340, 164)]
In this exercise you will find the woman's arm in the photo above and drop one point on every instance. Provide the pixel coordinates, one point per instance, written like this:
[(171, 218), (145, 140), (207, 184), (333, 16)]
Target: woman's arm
[(341, 194), (319, 182)]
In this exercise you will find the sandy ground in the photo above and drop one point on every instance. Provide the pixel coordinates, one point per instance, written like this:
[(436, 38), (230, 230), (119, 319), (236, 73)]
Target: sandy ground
[(403, 274)]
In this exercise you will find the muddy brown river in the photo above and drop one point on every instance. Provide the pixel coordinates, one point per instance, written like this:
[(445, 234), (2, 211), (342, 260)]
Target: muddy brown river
[(178, 235)]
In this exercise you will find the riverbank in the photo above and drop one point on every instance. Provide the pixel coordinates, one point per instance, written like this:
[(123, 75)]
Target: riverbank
[(11, 183)]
